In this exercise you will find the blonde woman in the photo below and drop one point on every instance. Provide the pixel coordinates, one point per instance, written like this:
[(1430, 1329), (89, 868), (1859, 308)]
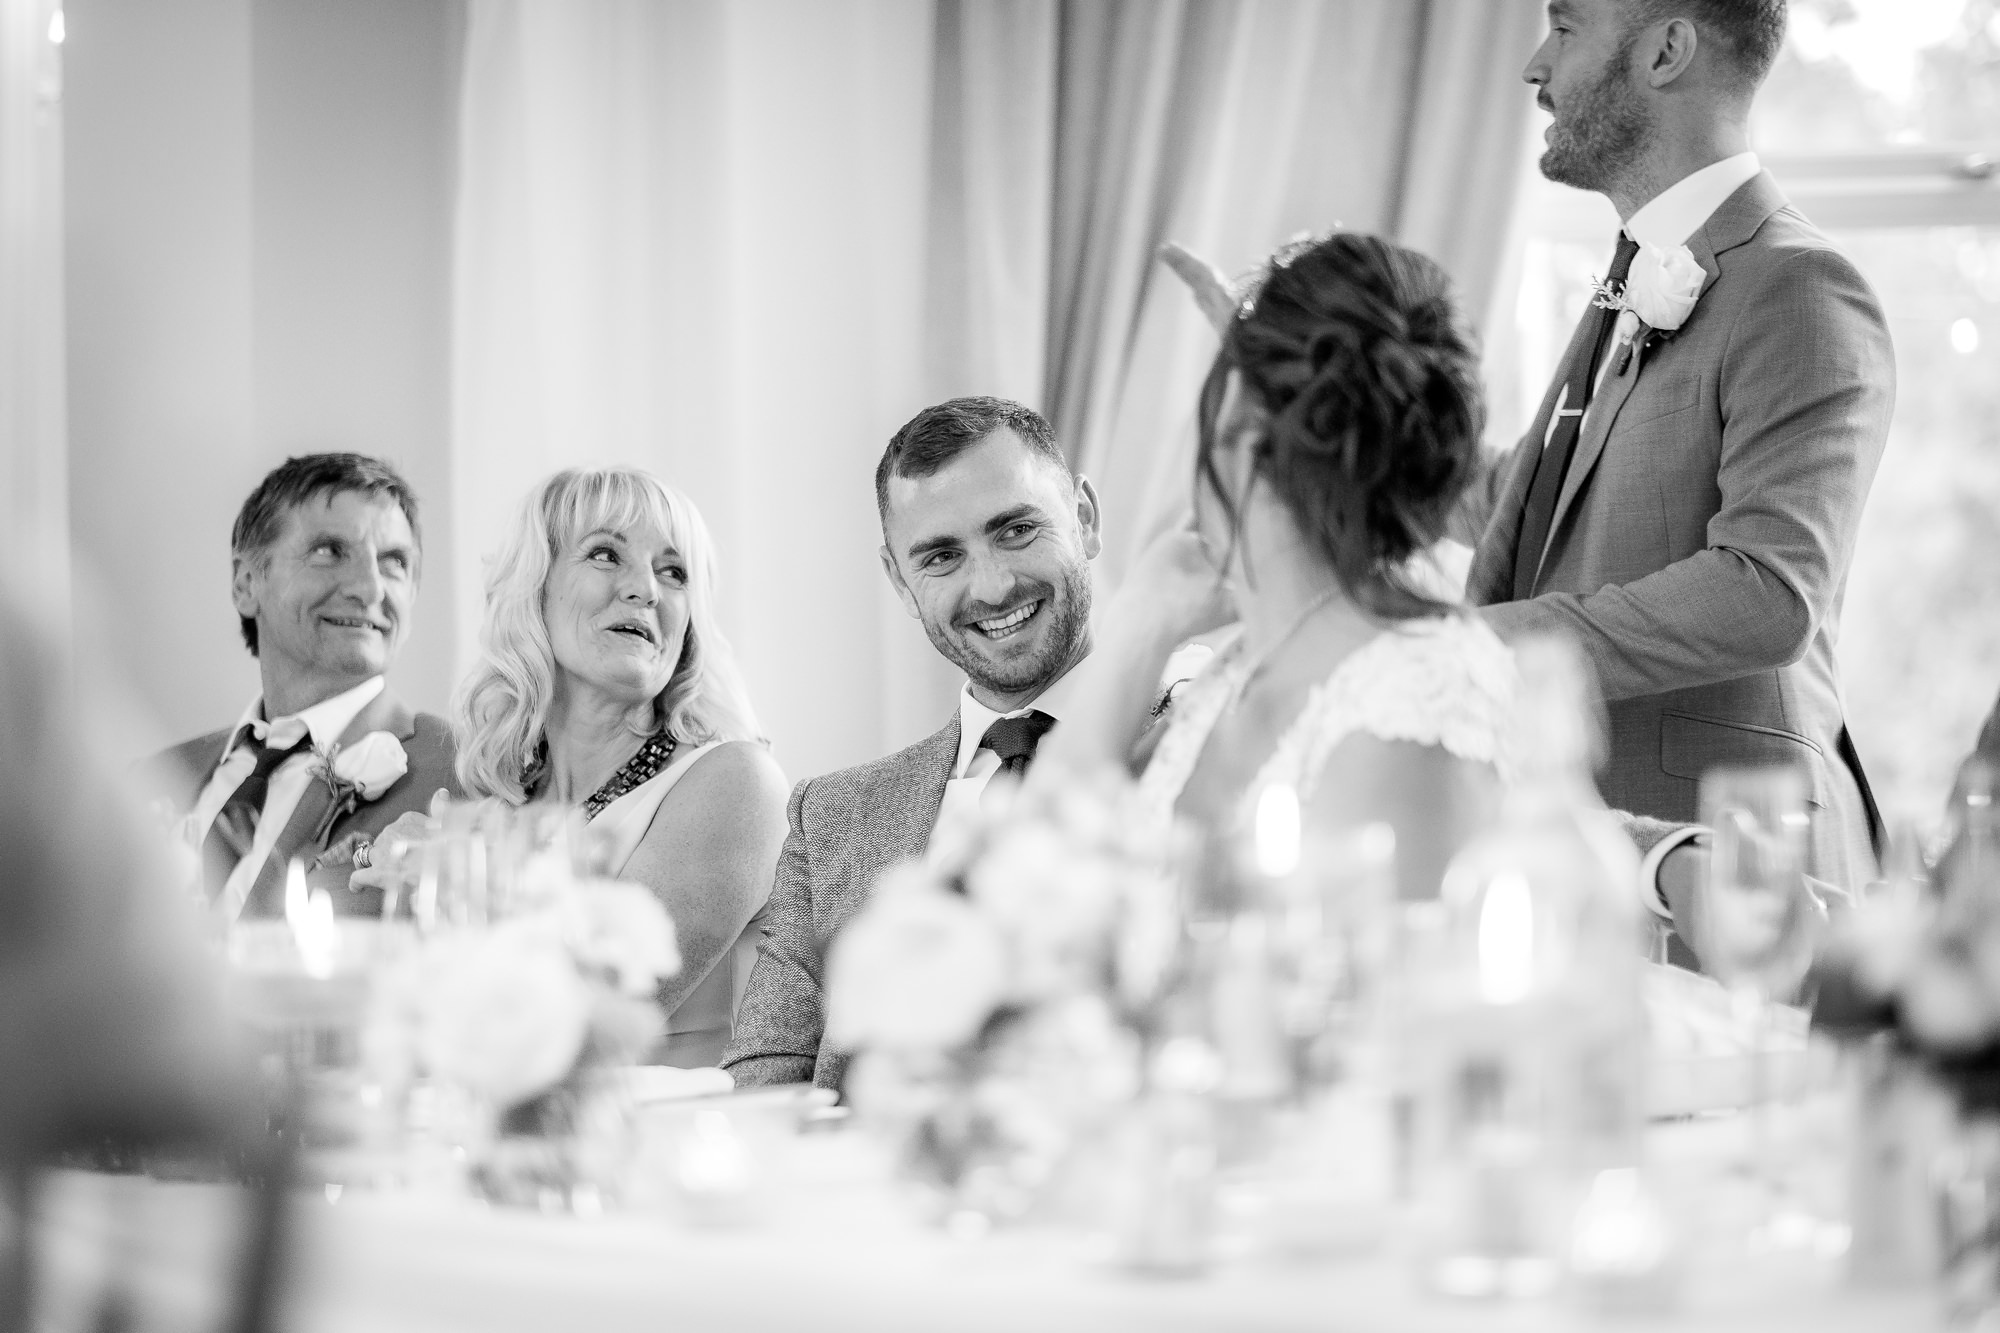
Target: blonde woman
[(604, 682)]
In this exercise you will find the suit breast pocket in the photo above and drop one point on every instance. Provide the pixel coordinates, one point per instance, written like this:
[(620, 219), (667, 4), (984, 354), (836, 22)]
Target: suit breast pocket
[(1656, 400), (1690, 746)]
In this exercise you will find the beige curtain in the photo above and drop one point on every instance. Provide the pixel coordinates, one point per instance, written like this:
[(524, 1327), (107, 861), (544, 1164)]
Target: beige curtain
[(689, 236), (34, 483), (1230, 126), (741, 243)]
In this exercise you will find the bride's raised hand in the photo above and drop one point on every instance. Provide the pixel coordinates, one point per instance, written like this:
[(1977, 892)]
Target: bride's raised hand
[(1172, 593)]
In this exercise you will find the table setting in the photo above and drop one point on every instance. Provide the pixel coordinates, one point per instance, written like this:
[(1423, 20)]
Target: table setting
[(1102, 1077)]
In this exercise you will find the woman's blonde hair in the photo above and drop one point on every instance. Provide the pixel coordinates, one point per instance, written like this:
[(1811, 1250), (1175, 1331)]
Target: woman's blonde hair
[(501, 709)]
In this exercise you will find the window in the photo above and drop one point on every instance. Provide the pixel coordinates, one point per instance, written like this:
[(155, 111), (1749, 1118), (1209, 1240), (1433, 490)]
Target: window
[(1882, 123)]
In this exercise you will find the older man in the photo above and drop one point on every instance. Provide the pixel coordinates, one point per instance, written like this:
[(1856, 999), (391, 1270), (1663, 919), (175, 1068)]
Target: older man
[(324, 561)]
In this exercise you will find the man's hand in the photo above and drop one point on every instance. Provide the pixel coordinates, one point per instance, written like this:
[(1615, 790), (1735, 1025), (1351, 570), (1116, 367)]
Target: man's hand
[(392, 867), (1210, 286)]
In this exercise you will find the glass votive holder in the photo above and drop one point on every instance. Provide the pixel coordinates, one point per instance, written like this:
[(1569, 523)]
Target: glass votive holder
[(303, 1008)]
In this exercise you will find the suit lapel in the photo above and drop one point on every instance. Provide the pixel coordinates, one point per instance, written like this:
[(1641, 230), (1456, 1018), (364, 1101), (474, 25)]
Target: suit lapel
[(930, 769), (383, 713), (1735, 222)]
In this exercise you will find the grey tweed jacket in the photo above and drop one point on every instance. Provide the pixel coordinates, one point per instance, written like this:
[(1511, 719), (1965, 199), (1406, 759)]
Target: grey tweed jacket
[(847, 828), (1703, 533)]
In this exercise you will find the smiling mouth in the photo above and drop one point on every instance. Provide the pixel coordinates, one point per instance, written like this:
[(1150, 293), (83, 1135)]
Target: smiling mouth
[(354, 622), (1005, 627), (638, 632)]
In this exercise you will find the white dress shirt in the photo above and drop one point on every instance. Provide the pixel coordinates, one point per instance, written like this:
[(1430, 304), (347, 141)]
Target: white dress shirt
[(324, 722), (976, 764)]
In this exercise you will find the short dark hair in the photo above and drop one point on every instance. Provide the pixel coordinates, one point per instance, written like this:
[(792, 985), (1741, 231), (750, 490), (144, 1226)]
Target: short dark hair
[(1369, 377), (297, 480), (936, 435), (1751, 31)]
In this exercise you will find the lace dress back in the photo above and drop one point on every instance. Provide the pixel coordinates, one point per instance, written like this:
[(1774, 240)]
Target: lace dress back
[(1440, 680)]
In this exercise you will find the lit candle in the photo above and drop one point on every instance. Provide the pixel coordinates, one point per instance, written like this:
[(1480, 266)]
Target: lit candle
[(309, 913), (1277, 831), (1506, 941)]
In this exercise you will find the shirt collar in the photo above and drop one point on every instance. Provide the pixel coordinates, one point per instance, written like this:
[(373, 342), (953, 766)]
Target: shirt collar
[(1678, 211), (325, 721), (975, 717)]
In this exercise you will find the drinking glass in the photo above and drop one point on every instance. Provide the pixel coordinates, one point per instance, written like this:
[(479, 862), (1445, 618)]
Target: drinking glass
[(1757, 922)]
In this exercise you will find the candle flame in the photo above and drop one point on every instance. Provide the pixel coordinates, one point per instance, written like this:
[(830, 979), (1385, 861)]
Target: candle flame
[(1277, 831), (310, 915), (1506, 941)]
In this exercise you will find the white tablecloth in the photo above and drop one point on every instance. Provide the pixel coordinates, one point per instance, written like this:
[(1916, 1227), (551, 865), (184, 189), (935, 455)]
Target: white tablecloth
[(389, 1263)]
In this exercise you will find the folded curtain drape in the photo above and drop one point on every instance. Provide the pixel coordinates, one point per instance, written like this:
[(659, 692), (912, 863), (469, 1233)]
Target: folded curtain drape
[(34, 466), (740, 243)]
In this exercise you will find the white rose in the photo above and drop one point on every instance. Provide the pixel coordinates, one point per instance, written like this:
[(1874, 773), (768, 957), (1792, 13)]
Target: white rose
[(621, 928), (503, 1011), (1054, 903), (918, 968), (1663, 286), (373, 763)]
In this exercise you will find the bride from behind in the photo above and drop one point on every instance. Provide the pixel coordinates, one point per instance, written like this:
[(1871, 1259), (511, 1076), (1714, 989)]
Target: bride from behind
[(1338, 425)]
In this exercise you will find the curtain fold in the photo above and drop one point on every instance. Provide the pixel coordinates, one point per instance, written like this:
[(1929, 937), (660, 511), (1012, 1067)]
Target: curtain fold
[(1231, 125), (34, 473), (686, 238)]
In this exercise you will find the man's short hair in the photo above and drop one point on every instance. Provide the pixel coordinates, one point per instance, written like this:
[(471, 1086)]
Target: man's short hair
[(297, 480), (1751, 32), (936, 435)]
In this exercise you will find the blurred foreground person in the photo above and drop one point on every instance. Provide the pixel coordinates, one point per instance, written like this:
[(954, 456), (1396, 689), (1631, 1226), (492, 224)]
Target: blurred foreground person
[(324, 561), (605, 683), (111, 1028)]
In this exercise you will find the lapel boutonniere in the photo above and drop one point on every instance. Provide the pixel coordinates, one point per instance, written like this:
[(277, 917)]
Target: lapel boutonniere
[(1660, 291), (356, 773)]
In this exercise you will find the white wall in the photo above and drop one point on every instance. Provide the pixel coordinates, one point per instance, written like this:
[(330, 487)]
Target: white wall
[(258, 227)]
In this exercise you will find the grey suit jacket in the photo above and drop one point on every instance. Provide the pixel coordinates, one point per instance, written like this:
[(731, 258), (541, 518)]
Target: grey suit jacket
[(1702, 537), (847, 828), (180, 772)]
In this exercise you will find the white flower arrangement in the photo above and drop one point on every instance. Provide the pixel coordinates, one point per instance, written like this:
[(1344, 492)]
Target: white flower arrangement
[(517, 1009), (1000, 993)]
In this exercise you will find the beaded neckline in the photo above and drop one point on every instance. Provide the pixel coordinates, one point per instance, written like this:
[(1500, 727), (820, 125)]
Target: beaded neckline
[(642, 767)]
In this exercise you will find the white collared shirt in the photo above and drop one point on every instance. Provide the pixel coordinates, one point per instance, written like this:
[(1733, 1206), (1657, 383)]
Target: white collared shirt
[(1673, 215), (975, 766), (324, 722)]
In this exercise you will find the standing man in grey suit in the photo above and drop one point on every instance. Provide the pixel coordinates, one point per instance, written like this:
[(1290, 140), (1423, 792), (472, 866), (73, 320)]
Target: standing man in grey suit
[(987, 538), (324, 561), (1685, 504)]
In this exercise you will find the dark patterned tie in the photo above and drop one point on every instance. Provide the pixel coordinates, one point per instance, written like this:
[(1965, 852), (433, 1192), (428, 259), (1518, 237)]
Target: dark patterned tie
[(1014, 739), (1546, 489), (235, 827)]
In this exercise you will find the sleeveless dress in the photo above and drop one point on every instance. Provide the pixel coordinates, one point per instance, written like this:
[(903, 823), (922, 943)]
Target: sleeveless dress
[(1439, 680), (699, 1028)]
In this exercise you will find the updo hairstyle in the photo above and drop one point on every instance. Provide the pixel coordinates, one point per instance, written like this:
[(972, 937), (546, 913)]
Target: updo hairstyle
[(1368, 378)]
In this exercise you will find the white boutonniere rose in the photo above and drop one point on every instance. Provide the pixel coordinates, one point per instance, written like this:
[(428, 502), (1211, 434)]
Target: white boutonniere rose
[(1661, 289), (356, 773), (372, 764)]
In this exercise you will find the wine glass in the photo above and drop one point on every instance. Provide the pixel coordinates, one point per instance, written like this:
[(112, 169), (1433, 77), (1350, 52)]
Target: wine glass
[(1757, 923)]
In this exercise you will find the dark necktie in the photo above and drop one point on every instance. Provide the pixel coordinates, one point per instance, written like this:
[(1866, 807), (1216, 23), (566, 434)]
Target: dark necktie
[(235, 827), (1540, 512), (1014, 739)]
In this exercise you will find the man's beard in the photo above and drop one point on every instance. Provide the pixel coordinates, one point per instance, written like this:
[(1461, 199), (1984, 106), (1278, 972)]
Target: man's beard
[(1068, 609), (1601, 132)]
